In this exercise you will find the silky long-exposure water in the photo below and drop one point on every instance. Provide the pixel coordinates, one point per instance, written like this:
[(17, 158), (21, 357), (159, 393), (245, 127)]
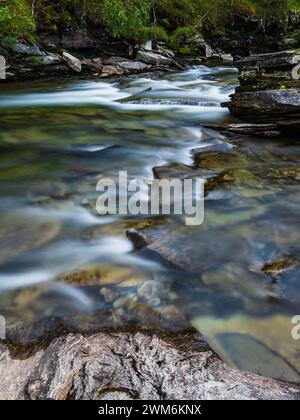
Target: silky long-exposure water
[(235, 278)]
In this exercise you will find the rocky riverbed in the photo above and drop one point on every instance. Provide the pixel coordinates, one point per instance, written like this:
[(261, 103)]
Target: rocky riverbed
[(78, 295)]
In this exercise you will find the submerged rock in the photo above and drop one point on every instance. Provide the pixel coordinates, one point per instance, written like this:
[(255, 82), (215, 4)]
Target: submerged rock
[(221, 160), (247, 344), (24, 234), (101, 275), (131, 367), (266, 130)]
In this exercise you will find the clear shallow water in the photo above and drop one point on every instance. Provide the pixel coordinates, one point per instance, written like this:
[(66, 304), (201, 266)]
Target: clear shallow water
[(235, 278)]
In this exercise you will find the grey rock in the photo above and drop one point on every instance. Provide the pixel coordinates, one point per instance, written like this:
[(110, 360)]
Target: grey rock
[(109, 71), (131, 366), (203, 47), (51, 58), (148, 46), (92, 65), (73, 62), (227, 58), (270, 89), (166, 52), (154, 59), (133, 66), (97, 61), (271, 60), (266, 105), (26, 49)]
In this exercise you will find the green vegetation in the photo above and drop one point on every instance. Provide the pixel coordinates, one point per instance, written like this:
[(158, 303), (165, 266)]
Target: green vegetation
[(16, 20), (172, 21)]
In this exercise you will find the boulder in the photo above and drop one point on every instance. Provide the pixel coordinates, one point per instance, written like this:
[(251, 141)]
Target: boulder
[(73, 62), (93, 65), (26, 49), (134, 66), (270, 89), (227, 59), (166, 52), (148, 46), (51, 58), (128, 66), (154, 59), (270, 61), (109, 71), (203, 47), (282, 106)]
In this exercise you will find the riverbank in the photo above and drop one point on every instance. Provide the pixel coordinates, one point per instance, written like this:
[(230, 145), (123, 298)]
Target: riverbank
[(30, 62)]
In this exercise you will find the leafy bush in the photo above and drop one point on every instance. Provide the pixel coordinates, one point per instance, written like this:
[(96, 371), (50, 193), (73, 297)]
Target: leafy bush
[(127, 19), (182, 40), (16, 20), (157, 33), (138, 20)]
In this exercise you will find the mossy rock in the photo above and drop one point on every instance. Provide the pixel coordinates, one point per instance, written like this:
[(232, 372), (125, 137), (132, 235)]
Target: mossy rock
[(220, 161), (104, 276)]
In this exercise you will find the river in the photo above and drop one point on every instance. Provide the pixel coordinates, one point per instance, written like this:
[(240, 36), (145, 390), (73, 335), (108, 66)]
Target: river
[(235, 278)]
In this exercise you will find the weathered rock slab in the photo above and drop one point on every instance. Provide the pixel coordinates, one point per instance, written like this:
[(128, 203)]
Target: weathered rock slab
[(131, 366), (270, 89), (73, 62), (154, 59), (267, 105)]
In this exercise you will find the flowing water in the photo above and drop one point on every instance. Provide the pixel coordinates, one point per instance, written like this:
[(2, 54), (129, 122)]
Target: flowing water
[(235, 278)]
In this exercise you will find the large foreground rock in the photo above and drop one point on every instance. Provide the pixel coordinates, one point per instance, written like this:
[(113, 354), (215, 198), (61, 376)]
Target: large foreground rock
[(131, 366)]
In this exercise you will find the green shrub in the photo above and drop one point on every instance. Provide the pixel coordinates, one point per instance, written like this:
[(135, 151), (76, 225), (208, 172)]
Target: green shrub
[(128, 19), (157, 33), (16, 20), (182, 40), (138, 20), (36, 61)]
